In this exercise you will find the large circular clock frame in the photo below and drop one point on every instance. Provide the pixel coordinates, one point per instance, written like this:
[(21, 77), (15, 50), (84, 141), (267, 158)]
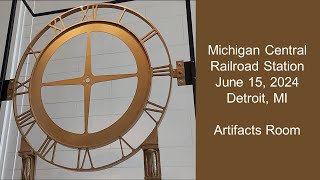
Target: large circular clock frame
[(85, 142)]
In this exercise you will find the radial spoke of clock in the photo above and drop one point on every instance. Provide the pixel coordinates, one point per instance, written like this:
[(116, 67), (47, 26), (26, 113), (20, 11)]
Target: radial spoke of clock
[(87, 94), (87, 68), (103, 78), (87, 87), (65, 82)]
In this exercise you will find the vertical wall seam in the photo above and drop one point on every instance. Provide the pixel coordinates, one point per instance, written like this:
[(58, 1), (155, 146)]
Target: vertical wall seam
[(5, 135), (15, 63)]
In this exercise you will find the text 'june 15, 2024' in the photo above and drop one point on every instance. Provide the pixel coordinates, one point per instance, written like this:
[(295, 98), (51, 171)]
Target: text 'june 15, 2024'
[(267, 69)]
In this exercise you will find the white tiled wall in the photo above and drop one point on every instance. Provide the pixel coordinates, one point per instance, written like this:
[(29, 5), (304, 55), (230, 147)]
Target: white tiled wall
[(177, 131)]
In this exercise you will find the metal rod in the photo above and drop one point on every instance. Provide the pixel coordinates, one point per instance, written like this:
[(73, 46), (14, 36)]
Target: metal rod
[(191, 49), (63, 10), (7, 46), (28, 7)]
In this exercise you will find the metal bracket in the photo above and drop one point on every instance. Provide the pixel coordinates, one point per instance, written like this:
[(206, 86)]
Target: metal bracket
[(7, 92), (183, 73)]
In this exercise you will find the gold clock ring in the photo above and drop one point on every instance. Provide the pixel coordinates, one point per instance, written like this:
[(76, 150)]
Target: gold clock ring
[(126, 121)]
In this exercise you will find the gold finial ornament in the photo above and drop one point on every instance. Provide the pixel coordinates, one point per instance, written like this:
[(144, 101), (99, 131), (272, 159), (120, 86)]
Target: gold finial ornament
[(84, 144)]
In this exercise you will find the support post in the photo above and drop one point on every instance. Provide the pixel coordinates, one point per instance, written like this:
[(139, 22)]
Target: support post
[(152, 167), (28, 156)]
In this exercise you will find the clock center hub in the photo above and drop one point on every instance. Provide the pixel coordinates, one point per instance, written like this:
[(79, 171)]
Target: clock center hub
[(87, 80)]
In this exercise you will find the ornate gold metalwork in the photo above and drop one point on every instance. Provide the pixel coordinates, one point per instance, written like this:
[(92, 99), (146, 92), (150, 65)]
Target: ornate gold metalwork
[(128, 119), (152, 163), (85, 142), (152, 167), (28, 161)]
